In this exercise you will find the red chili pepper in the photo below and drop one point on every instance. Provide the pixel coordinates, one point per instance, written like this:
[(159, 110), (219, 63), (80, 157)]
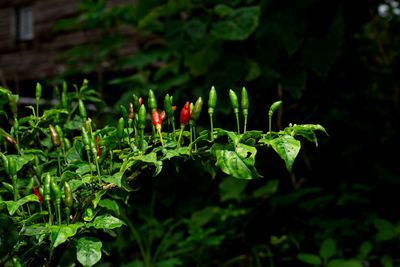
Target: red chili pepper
[(140, 100), (156, 118), (185, 114), (36, 192), (98, 146)]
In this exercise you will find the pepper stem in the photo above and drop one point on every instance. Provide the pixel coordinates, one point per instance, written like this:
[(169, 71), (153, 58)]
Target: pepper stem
[(180, 134), (159, 133), (211, 126), (237, 122)]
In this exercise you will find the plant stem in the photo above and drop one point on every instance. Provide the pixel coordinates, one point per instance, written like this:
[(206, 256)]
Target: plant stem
[(237, 122), (211, 127), (245, 124), (180, 134)]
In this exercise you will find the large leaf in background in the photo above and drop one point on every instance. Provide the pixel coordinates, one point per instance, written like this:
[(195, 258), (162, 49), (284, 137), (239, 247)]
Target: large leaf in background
[(238, 25), (238, 162), (320, 53), (287, 148), (88, 251)]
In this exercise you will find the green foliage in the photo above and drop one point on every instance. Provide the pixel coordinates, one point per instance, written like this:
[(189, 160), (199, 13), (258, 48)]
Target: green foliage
[(101, 165)]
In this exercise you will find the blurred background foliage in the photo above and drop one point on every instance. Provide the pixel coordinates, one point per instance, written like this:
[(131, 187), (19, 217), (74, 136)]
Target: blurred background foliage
[(335, 63)]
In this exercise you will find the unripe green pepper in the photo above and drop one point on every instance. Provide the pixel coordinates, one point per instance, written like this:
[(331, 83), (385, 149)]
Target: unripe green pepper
[(68, 200), (55, 189), (67, 143), (29, 186), (196, 111), (152, 101), (82, 109), (168, 106), (274, 107), (64, 99), (244, 101), (136, 103), (120, 128), (142, 116), (234, 100), (38, 92), (85, 138), (47, 188), (12, 166), (212, 100), (55, 138)]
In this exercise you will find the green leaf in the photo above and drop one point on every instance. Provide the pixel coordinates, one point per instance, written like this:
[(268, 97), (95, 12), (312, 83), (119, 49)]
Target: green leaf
[(265, 191), (386, 230), (97, 197), (309, 258), (106, 221), (35, 229), (88, 251), (110, 204), (306, 130), (147, 158), (287, 148), (61, 233), (238, 163), (232, 189), (364, 250), (238, 25), (116, 178), (12, 206), (328, 249)]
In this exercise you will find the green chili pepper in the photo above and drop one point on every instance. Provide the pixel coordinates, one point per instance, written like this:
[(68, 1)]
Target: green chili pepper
[(67, 143), (168, 106), (235, 105), (245, 106), (136, 103), (152, 101), (47, 194), (195, 113), (64, 99), (82, 109), (141, 124), (68, 200), (38, 93), (55, 138), (212, 100), (271, 111), (55, 189), (212, 103), (12, 166), (142, 116), (234, 100)]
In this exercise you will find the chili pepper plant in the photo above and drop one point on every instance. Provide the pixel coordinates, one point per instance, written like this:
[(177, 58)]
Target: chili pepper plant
[(63, 178)]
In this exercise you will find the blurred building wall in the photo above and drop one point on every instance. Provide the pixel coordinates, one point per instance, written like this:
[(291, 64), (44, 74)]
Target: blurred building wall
[(37, 58)]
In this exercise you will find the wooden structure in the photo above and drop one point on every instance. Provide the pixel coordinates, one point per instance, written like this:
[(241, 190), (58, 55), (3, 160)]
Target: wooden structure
[(29, 47)]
